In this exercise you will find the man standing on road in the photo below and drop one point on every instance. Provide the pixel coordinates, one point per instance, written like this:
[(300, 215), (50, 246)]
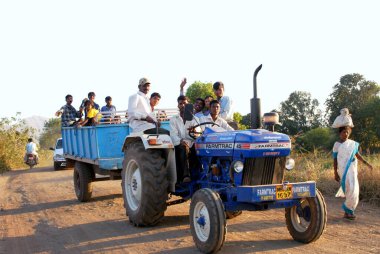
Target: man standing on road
[(140, 115)]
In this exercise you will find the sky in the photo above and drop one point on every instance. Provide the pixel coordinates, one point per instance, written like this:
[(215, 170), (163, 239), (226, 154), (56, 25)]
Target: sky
[(52, 48)]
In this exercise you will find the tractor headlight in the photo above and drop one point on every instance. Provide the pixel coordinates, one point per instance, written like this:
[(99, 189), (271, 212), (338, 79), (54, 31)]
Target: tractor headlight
[(238, 166), (290, 163)]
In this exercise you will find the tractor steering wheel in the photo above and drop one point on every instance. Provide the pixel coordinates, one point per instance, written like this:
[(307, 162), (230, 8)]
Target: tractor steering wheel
[(194, 134)]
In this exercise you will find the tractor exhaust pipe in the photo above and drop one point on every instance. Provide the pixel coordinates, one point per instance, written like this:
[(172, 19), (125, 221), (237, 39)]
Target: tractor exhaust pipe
[(255, 103)]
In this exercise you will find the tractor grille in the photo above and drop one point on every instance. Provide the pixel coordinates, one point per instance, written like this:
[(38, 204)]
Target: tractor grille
[(261, 171)]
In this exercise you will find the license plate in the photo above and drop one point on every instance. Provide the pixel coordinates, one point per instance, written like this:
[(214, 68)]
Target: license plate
[(284, 193), (63, 164)]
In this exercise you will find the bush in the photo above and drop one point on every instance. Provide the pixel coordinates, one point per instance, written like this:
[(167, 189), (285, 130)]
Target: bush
[(319, 138), (13, 137)]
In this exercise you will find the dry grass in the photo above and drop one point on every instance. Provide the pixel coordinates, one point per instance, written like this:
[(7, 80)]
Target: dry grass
[(319, 167)]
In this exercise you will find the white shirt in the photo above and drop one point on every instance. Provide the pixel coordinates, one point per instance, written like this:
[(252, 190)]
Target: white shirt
[(138, 109), (179, 130), (224, 126), (31, 148)]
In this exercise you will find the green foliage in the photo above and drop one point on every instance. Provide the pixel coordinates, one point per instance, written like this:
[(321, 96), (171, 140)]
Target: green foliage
[(246, 120), (13, 137), (52, 131), (199, 90), (367, 126), (238, 118), (316, 139), (352, 92), (299, 113)]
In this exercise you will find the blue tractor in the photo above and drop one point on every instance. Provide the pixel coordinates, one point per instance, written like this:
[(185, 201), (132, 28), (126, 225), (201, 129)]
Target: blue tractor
[(237, 171)]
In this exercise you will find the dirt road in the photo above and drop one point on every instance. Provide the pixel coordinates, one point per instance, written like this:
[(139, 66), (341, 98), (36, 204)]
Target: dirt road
[(39, 213)]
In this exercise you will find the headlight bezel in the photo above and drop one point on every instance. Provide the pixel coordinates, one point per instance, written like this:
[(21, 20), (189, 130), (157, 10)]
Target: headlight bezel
[(238, 166)]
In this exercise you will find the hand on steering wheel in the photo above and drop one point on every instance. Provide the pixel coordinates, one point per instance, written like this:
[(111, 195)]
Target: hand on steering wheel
[(195, 134)]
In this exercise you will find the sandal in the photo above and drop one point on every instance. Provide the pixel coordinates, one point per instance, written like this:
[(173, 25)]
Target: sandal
[(349, 216)]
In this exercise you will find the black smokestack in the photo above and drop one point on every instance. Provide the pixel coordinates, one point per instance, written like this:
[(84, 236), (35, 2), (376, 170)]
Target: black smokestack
[(255, 103)]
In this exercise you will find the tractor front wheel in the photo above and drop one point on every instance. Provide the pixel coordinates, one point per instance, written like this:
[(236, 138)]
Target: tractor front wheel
[(307, 220), (207, 221)]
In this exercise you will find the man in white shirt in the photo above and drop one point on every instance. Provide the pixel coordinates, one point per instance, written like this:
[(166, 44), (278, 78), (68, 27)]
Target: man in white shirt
[(140, 115), (215, 117), (183, 143), (31, 148)]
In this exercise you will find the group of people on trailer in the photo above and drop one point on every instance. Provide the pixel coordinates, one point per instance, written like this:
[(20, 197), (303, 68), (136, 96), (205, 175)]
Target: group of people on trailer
[(142, 118)]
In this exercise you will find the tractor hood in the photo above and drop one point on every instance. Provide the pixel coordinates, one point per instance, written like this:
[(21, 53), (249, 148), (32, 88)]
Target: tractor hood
[(244, 144)]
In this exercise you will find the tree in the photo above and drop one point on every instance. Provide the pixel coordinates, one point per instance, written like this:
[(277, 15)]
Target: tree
[(352, 92), (299, 113), (199, 90), (367, 126), (361, 98), (52, 131)]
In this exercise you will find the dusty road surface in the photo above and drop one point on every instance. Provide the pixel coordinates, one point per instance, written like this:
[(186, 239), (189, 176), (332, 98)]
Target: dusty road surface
[(39, 213)]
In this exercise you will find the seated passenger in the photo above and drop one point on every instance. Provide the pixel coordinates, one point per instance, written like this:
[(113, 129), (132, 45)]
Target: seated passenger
[(183, 143), (154, 100), (140, 115), (226, 106), (91, 97), (215, 118), (198, 107), (206, 109), (108, 108), (92, 116)]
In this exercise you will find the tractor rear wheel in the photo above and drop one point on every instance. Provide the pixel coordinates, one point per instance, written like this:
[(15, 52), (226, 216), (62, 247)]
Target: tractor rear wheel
[(207, 221), (307, 221), (144, 184)]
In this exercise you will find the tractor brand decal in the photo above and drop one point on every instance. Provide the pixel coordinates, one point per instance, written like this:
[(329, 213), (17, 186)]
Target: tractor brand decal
[(266, 198), (266, 191), (242, 146), (271, 153), (281, 145), (220, 146), (272, 137), (301, 189)]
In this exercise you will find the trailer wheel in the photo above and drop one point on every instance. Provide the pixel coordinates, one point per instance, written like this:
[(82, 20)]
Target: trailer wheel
[(56, 166), (207, 221), (144, 184), (83, 181), (307, 221)]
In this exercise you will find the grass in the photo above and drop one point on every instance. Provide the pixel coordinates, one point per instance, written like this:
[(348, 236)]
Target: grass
[(319, 167)]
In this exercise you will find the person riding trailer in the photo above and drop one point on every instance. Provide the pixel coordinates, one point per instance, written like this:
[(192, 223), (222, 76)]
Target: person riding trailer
[(140, 114)]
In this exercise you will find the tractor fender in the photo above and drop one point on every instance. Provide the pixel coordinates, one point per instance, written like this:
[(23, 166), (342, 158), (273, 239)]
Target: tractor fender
[(165, 144)]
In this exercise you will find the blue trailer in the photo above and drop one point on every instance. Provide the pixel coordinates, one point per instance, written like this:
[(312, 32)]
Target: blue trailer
[(95, 152)]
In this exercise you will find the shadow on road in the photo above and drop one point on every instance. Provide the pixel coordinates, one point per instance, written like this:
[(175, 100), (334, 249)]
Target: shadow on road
[(29, 208)]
